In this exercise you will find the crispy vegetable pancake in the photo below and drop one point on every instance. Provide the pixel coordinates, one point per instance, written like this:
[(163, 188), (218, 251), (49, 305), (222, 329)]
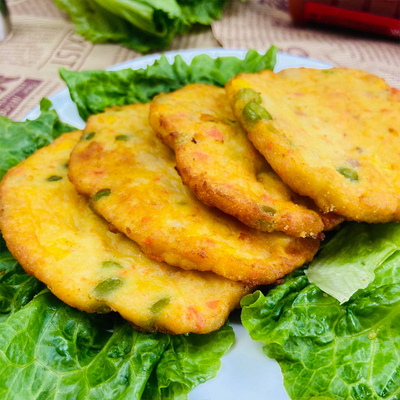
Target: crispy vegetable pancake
[(129, 174), (332, 135), (51, 231), (217, 161)]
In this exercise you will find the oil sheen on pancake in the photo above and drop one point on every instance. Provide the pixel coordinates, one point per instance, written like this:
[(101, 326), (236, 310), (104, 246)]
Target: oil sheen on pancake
[(51, 231), (221, 166), (332, 135), (130, 177)]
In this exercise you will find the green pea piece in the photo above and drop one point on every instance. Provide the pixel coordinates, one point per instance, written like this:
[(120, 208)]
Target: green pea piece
[(265, 226), (271, 128), (348, 173), (101, 193), (88, 136), (254, 112), (102, 309), (122, 138), (94, 211), (106, 287), (268, 210), (53, 178), (111, 264), (159, 305), (247, 95)]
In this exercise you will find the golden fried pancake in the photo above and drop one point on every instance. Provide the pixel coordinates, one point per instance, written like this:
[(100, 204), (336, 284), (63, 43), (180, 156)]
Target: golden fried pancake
[(221, 166), (332, 135), (51, 231), (129, 174)]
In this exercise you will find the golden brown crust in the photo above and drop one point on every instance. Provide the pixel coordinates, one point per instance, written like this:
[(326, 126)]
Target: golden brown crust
[(222, 167), (333, 136), (51, 231), (145, 199)]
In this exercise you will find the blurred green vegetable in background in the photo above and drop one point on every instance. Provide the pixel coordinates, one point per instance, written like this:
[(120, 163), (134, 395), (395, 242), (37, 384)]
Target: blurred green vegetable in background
[(142, 25)]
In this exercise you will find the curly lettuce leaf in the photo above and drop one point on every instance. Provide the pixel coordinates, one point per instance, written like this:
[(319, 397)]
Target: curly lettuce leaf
[(50, 350), (201, 11), (93, 91), (347, 263), (327, 350), (155, 17), (98, 25), (16, 287), (18, 140), (176, 375), (142, 25), (7, 261)]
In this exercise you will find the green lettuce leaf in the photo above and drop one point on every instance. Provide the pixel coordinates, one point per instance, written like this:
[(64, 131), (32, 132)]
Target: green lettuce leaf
[(18, 140), (201, 11), (155, 17), (327, 350), (98, 25), (176, 375), (7, 261), (142, 25), (347, 263), (93, 91), (16, 287), (50, 350)]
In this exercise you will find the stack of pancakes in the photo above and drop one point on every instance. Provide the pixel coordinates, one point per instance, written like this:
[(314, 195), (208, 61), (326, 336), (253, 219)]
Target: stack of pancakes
[(170, 212)]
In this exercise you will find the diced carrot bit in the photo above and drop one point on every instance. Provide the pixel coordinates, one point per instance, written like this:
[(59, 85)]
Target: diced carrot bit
[(200, 156), (213, 304), (194, 314), (148, 241), (216, 134)]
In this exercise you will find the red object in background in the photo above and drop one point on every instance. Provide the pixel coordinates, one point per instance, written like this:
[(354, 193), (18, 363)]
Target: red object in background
[(377, 16)]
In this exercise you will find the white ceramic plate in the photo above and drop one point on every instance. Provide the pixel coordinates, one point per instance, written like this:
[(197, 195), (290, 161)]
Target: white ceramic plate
[(246, 373)]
